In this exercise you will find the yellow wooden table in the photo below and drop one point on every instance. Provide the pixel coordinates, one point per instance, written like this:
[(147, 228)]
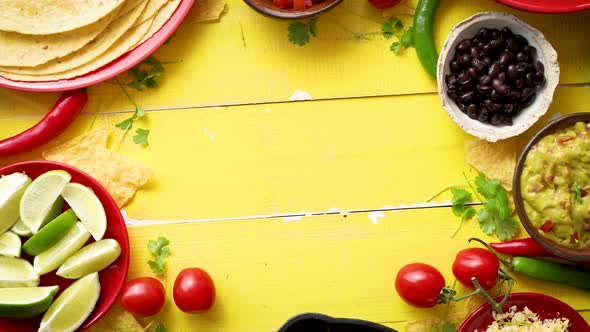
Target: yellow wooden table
[(292, 206)]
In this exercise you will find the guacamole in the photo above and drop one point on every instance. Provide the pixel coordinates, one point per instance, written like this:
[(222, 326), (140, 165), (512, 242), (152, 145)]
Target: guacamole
[(555, 182)]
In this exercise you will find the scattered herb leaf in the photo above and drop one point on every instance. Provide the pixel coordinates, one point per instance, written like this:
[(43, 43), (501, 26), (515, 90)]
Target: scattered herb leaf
[(160, 328), (125, 124), (145, 73), (576, 189), (395, 47), (496, 214), (141, 136), (300, 32), (460, 198), (391, 26), (160, 249)]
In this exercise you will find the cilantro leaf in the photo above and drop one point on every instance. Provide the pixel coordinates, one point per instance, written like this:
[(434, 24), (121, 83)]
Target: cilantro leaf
[(487, 188), (145, 73), (395, 47), (506, 228), (160, 249), (576, 189), (139, 113), (141, 136), (448, 327), (299, 32), (125, 124), (389, 27), (486, 221), (460, 197), (160, 328)]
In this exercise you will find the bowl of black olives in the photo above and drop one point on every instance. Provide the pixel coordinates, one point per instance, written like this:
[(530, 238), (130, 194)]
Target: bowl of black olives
[(496, 75)]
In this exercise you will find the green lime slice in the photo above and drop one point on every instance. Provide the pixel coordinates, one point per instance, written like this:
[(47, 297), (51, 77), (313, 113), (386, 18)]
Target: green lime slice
[(51, 259), (10, 245), (21, 229), (87, 207), (17, 272), (55, 211), (40, 196), (12, 188), (92, 258), (73, 306), (51, 234), (25, 302)]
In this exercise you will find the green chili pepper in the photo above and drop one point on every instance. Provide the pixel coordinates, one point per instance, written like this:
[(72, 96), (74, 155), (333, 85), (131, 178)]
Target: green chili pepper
[(423, 35), (550, 271)]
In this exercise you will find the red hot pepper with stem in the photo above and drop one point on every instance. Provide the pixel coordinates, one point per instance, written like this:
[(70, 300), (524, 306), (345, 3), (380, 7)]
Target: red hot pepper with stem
[(63, 113)]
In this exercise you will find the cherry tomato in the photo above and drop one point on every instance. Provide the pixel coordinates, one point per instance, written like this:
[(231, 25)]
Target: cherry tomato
[(384, 3), (143, 296), (478, 263), (194, 290), (419, 284)]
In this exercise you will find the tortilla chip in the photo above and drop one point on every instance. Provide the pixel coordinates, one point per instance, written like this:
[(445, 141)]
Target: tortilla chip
[(116, 320), (208, 10), (90, 51), (120, 176), (496, 160)]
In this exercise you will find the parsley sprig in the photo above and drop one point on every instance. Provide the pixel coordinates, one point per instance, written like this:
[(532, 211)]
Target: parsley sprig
[(160, 250), (495, 216), (577, 192), (300, 32), (160, 328)]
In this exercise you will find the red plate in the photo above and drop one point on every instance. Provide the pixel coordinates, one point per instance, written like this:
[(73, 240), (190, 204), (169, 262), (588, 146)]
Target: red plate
[(114, 68), (548, 6), (111, 278), (545, 306)]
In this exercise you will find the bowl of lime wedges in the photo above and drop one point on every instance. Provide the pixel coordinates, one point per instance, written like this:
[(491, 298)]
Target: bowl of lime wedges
[(64, 248)]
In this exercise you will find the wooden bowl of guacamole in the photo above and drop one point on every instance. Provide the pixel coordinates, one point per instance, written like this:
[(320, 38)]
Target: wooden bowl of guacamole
[(551, 187)]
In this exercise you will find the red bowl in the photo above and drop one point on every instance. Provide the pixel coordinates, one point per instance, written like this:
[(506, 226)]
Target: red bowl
[(545, 306), (114, 68), (548, 6), (111, 278)]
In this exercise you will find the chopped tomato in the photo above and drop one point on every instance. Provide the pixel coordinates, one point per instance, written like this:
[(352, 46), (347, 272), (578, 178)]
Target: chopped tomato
[(547, 226), (574, 238), (564, 139), (283, 3)]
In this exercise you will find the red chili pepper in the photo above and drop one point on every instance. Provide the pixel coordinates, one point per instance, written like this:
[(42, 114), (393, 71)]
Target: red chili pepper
[(523, 247), (65, 110), (528, 248), (384, 3)]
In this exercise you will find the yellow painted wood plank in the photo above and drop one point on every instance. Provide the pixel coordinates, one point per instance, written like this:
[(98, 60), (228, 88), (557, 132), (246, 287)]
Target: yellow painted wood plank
[(292, 157), (268, 270), (246, 58)]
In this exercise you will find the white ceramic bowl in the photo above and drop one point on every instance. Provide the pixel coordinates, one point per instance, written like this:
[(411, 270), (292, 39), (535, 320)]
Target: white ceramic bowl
[(528, 116)]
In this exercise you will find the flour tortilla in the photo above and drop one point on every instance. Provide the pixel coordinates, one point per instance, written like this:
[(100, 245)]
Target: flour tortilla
[(152, 8), (29, 50), (160, 19), (121, 46), (89, 52), (44, 17)]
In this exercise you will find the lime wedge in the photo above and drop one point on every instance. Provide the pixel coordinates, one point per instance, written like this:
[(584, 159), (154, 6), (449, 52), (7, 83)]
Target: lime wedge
[(73, 306), (21, 229), (87, 207), (10, 245), (92, 258), (40, 196), (12, 187), (51, 259), (25, 302), (17, 272), (51, 234)]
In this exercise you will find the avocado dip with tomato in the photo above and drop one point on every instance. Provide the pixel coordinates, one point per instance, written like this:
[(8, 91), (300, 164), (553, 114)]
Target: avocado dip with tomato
[(555, 181)]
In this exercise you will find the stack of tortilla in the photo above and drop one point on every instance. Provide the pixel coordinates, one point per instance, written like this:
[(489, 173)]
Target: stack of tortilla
[(47, 40)]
